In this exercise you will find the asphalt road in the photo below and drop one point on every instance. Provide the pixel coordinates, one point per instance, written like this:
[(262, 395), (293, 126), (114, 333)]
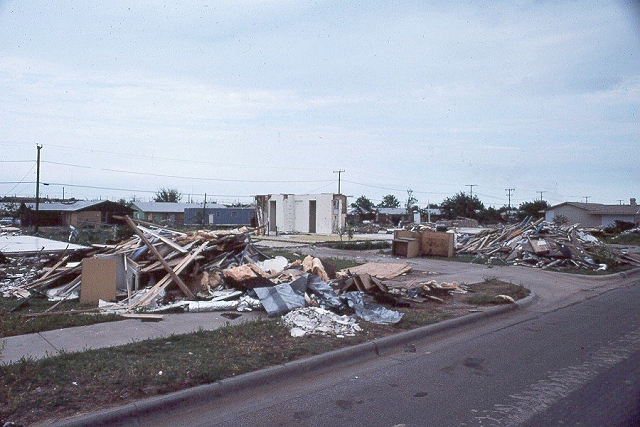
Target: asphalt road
[(573, 365)]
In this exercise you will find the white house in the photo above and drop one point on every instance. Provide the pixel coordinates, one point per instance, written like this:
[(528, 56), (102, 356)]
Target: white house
[(308, 213)]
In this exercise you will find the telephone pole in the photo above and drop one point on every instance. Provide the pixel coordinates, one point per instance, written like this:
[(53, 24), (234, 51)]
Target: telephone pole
[(339, 172), (471, 187), (37, 217), (509, 190), (586, 199), (541, 193)]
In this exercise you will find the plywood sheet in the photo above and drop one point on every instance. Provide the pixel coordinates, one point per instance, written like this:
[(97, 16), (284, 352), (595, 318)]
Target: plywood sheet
[(380, 270), (99, 280), (437, 244)]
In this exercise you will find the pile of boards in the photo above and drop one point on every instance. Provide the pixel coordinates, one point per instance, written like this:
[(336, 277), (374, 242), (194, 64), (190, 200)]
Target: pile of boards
[(164, 270), (545, 245)]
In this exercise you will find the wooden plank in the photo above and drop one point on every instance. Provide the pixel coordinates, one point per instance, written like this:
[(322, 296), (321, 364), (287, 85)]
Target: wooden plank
[(159, 257), (58, 264), (166, 280), (145, 317), (169, 242)]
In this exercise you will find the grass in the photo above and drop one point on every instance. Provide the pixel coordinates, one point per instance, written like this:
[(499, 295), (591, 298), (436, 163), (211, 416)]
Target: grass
[(360, 245), (63, 385), (15, 323), (38, 390), (486, 292)]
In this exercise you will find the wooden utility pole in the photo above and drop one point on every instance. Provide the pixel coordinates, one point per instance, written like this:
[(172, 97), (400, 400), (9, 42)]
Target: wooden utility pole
[(339, 172), (37, 217), (509, 190)]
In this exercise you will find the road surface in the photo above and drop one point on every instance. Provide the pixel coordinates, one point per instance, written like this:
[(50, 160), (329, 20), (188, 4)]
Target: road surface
[(575, 362)]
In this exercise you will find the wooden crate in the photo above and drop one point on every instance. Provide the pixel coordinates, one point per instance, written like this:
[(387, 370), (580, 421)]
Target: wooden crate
[(405, 247), (437, 244)]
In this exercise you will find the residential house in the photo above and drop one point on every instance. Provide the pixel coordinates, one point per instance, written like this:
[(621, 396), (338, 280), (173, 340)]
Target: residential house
[(595, 214), (309, 213), (165, 213), (392, 215), (79, 213)]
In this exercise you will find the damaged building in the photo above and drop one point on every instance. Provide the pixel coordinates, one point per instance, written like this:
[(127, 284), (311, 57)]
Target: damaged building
[(309, 213)]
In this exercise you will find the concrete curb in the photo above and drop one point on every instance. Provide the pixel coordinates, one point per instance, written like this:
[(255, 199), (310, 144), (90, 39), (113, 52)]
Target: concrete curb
[(128, 414)]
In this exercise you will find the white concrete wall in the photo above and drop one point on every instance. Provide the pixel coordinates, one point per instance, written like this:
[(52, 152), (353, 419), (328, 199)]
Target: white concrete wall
[(292, 213)]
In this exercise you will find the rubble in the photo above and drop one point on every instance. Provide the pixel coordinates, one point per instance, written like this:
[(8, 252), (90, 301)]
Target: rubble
[(158, 270), (544, 245), (318, 321)]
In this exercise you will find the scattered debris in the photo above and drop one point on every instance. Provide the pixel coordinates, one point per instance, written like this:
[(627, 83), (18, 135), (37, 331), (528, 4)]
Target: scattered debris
[(158, 271), (318, 321), (544, 245)]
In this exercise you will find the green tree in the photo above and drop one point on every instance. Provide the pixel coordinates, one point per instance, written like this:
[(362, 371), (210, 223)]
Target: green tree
[(168, 195), (411, 201), (461, 205), (363, 203), (533, 209), (389, 201)]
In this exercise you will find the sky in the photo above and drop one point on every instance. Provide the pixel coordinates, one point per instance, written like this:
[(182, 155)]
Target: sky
[(234, 99)]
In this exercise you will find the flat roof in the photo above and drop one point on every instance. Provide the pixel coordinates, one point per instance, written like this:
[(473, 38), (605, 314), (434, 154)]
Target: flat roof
[(21, 245)]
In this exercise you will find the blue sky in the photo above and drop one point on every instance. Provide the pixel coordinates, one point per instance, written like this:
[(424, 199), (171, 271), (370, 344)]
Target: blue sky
[(239, 98)]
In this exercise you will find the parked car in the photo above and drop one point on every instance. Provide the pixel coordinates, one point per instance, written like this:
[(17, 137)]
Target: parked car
[(7, 220)]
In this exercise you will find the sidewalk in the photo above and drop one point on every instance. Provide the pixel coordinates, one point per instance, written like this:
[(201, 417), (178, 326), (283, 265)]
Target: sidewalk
[(110, 334)]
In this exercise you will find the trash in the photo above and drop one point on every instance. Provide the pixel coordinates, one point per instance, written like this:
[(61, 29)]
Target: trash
[(318, 321), (369, 312), (281, 298)]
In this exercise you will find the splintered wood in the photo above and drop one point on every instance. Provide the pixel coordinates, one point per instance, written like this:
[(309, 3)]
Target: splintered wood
[(545, 245)]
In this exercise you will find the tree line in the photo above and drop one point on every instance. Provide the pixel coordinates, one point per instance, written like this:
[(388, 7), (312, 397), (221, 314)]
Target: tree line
[(461, 205)]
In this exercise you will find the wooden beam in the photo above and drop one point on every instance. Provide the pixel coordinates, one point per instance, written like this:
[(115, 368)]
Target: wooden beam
[(159, 257)]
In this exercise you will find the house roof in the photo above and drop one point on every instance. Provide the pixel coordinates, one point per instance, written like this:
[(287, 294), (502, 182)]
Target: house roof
[(392, 211), (75, 206), (600, 209), (163, 207)]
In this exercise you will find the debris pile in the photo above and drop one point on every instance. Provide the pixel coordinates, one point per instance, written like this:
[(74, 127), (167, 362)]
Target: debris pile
[(545, 245), (159, 270)]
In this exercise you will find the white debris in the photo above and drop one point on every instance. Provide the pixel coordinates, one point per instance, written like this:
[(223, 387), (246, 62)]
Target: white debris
[(318, 321)]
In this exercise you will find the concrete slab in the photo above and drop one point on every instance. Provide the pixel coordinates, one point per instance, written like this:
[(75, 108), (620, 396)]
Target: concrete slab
[(28, 346), (21, 245)]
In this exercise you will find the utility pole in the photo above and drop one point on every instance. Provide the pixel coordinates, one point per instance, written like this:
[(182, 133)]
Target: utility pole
[(204, 209), (471, 187), (339, 172), (509, 190), (586, 199), (37, 217), (541, 193), (620, 201), (470, 208)]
